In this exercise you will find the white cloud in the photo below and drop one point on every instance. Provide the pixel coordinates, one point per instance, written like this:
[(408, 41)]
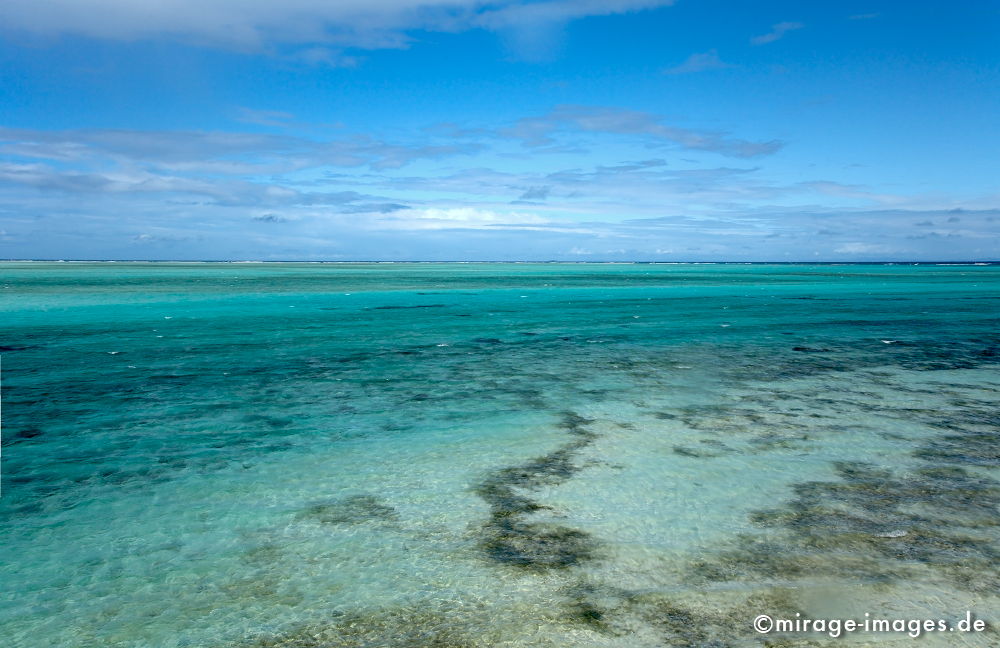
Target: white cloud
[(254, 25), (533, 29), (457, 218), (699, 63), (862, 248), (777, 31), (325, 56)]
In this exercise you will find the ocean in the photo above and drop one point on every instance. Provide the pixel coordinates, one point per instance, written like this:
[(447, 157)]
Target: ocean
[(251, 455)]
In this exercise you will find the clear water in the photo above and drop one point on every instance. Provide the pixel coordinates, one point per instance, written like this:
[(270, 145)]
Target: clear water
[(250, 455)]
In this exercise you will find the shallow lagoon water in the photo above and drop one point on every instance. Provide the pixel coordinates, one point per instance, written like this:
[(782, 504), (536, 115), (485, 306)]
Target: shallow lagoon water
[(315, 455)]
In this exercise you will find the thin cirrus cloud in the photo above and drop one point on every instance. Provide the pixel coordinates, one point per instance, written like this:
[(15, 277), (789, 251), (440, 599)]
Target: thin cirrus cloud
[(632, 188), (225, 152), (199, 154), (540, 132), (324, 56), (777, 32), (258, 117), (718, 213), (172, 194), (699, 63), (268, 170), (234, 153), (274, 170)]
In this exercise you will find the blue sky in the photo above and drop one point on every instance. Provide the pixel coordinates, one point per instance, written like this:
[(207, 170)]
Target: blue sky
[(577, 130)]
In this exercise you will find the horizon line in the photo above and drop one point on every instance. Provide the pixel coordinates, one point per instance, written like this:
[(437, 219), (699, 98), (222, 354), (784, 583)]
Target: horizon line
[(521, 261)]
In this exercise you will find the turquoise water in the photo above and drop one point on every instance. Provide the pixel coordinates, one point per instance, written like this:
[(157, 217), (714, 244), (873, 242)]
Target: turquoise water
[(250, 455)]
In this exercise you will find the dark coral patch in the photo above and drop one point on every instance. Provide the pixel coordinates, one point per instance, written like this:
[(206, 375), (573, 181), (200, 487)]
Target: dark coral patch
[(508, 538), (975, 448), (536, 546), (874, 525), (356, 509)]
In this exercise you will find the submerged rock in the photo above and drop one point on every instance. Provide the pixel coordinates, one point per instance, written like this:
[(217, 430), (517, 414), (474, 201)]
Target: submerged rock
[(511, 540), (356, 509), (536, 546)]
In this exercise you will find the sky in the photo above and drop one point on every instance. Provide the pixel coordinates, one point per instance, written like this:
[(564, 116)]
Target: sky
[(570, 130)]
